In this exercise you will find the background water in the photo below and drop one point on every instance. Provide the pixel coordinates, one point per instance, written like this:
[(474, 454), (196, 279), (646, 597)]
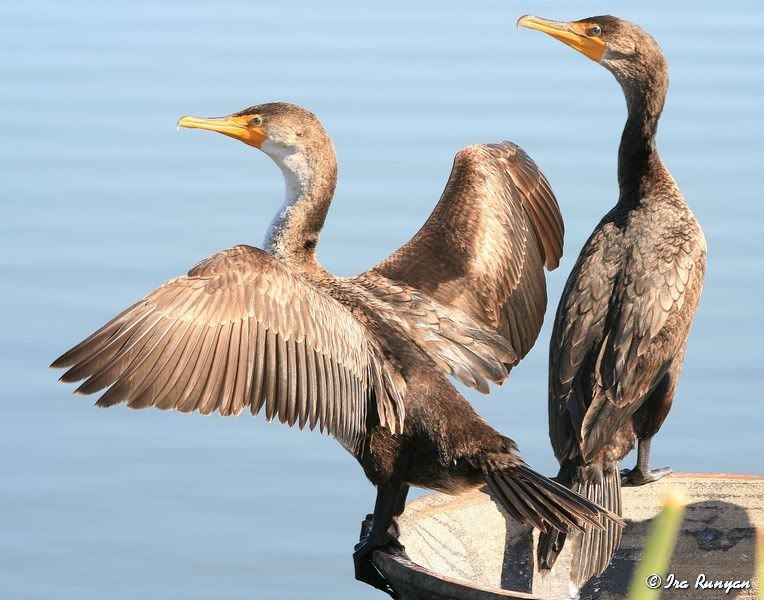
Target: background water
[(103, 200)]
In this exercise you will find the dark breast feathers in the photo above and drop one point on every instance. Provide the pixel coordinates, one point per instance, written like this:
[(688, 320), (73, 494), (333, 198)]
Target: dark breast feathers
[(624, 318)]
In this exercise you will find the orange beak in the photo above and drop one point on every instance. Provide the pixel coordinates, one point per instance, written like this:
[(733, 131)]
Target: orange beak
[(235, 127), (572, 34)]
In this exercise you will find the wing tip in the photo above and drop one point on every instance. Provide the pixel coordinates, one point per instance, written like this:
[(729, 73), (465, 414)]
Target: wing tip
[(552, 262), (62, 362), (70, 377)]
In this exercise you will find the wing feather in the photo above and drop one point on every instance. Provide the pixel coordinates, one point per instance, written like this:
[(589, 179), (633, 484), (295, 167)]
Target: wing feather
[(225, 400), (242, 330), (302, 384), (258, 381), (487, 241), (243, 371), (271, 374), (178, 374), (282, 385), (292, 370)]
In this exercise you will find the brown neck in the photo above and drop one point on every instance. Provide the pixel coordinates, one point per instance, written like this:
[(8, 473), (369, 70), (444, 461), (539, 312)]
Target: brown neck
[(310, 179), (639, 165)]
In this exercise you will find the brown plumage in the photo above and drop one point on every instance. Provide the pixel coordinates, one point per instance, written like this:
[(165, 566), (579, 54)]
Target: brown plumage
[(483, 247), (364, 358), (622, 323)]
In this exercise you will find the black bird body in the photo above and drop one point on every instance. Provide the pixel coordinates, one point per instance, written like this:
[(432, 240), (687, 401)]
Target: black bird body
[(621, 327)]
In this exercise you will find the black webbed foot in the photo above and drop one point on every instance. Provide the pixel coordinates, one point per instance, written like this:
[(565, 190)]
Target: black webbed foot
[(380, 532), (394, 530), (364, 569), (636, 476)]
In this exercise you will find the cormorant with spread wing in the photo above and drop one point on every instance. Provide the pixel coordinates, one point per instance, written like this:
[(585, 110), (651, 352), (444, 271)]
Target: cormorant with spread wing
[(364, 358)]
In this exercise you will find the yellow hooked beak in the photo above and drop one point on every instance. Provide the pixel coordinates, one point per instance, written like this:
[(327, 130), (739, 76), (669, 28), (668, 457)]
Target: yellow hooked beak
[(572, 34), (237, 127)]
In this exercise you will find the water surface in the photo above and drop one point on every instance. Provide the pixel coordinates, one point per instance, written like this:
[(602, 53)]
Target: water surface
[(103, 200)]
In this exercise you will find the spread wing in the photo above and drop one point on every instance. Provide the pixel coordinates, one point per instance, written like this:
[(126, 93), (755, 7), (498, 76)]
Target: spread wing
[(240, 330), (458, 344), (484, 247)]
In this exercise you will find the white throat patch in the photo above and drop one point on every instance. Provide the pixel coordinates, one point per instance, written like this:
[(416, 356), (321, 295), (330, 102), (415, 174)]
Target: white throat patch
[(297, 176)]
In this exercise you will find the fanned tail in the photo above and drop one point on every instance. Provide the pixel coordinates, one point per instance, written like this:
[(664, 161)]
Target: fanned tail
[(531, 498), (594, 548)]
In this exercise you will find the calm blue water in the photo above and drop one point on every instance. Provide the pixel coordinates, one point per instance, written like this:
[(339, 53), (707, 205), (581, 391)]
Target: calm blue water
[(103, 200)]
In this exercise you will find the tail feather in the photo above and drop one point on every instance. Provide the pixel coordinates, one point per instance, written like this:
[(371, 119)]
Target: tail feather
[(549, 547), (593, 549), (531, 498)]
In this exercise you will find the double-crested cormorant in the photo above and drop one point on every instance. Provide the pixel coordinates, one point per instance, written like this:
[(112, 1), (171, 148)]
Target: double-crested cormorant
[(364, 358), (621, 328)]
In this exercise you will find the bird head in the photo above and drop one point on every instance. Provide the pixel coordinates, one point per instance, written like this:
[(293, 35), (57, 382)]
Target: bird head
[(623, 48), (277, 128)]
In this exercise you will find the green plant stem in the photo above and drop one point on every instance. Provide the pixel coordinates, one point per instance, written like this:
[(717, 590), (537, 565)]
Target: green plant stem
[(659, 548)]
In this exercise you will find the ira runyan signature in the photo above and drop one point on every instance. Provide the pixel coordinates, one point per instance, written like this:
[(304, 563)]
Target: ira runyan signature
[(702, 583)]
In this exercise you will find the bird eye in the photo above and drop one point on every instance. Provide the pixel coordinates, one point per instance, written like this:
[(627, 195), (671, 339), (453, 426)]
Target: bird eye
[(257, 121), (595, 31)]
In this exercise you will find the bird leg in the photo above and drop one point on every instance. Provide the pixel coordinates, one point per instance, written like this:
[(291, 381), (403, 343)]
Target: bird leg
[(394, 529), (379, 535), (400, 506), (641, 474)]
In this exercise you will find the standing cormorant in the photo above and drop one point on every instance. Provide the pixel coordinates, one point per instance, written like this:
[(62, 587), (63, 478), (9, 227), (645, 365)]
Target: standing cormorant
[(621, 328), (364, 358)]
